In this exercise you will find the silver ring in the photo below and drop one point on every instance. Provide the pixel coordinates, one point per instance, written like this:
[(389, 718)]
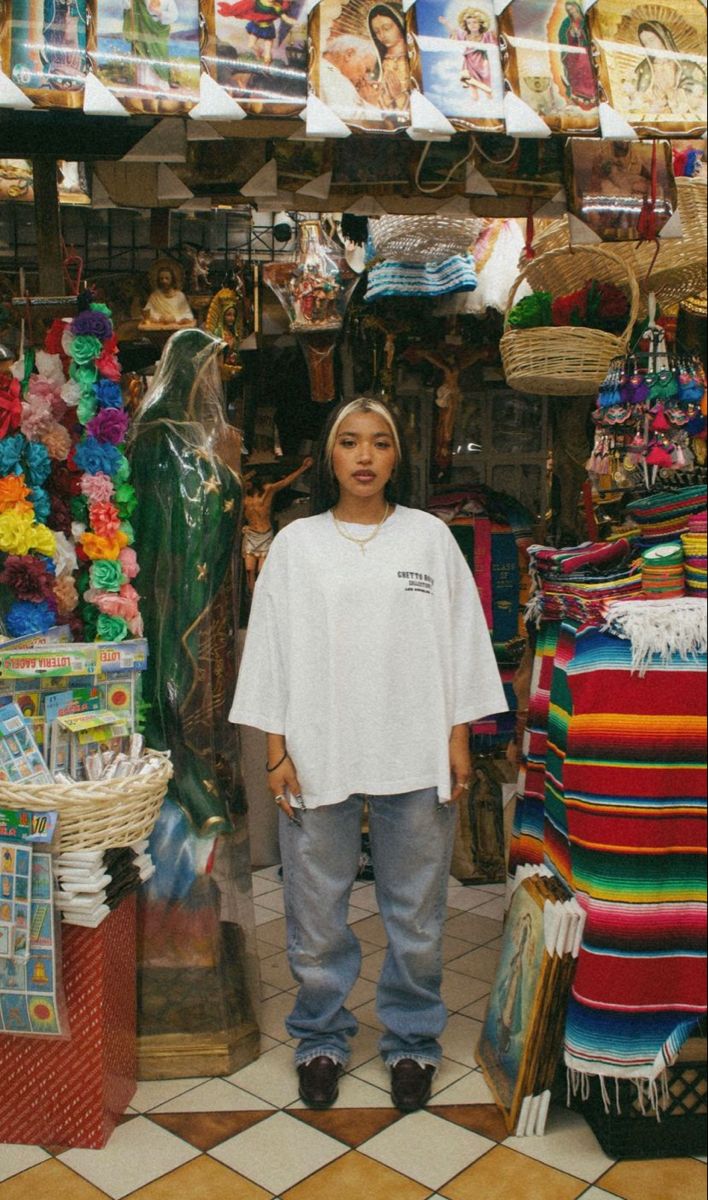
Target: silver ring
[(279, 798)]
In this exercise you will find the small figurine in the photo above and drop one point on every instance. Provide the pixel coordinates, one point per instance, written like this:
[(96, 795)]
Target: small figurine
[(258, 532), (200, 262), (167, 306)]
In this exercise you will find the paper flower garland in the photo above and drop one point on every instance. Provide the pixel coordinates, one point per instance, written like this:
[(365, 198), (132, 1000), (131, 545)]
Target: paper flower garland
[(65, 493)]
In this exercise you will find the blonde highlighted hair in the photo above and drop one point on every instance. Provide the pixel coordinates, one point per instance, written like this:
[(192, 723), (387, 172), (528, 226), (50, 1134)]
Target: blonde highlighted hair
[(325, 489)]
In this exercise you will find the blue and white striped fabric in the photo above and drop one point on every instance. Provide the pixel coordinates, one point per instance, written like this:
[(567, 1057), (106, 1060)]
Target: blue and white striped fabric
[(456, 274)]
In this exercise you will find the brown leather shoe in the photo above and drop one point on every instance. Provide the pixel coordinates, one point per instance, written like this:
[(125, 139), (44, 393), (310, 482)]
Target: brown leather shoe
[(411, 1085), (318, 1082)]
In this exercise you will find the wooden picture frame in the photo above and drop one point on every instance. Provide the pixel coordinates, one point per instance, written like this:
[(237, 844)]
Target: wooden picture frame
[(508, 1047), (456, 61), (546, 55), (651, 63)]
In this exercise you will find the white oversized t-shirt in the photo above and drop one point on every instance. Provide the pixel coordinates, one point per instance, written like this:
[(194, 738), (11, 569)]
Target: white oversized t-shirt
[(365, 661)]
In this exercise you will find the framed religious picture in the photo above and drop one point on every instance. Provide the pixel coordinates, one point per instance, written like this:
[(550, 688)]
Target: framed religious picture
[(547, 62), (651, 61), (17, 182), (455, 60), (612, 183), (46, 51), (359, 66), (147, 53), (257, 51)]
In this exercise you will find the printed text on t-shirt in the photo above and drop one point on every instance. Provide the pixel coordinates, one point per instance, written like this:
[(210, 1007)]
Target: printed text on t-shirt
[(417, 582)]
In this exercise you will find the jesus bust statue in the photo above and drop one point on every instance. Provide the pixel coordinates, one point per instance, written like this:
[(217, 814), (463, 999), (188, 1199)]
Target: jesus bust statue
[(167, 306)]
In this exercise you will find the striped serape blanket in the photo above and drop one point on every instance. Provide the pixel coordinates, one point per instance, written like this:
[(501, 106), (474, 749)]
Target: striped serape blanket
[(527, 832), (634, 783)]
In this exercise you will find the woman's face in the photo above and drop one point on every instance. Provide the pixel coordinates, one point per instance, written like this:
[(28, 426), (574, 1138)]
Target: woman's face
[(573, 11), (651, 40), (386, 31), (364, 455), (473, 24)]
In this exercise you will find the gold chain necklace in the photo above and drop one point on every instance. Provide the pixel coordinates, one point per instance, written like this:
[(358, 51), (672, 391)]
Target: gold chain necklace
[(362, 543)]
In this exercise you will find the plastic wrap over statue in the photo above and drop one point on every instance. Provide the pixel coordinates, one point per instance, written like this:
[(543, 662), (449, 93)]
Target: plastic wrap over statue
[(184, 459), (198, 973)]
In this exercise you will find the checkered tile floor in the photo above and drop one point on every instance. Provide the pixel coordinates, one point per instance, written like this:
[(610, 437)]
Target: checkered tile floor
[(247, 1137)]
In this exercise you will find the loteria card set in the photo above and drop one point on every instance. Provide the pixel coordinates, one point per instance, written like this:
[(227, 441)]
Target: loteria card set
[(43, 686), (30, 999)]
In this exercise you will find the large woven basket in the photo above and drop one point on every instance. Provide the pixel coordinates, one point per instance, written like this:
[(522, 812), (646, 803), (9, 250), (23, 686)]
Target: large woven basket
[(680, 267), (97, 816), (566, 360), (423, 239)]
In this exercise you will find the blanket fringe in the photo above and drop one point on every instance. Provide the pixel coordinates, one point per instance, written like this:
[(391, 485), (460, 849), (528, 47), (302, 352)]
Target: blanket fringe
[(652, 1094), (660, 629)]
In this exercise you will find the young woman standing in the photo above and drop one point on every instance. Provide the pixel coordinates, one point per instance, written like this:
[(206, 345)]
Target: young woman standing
[(366, 657)]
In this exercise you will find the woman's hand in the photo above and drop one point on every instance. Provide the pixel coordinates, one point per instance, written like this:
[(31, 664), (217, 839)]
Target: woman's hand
[(282, 779), (460, 761)]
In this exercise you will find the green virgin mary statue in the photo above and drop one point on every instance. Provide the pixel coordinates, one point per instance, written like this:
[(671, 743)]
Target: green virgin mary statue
[(184, 458)]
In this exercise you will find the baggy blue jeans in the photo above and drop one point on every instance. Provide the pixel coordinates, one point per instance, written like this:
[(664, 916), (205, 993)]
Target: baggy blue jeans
[(411, 848)]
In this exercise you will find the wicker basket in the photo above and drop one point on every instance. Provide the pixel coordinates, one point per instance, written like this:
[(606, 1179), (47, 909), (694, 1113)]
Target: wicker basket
[(423, 239), (680, 267), (97, 816), (566, 360)]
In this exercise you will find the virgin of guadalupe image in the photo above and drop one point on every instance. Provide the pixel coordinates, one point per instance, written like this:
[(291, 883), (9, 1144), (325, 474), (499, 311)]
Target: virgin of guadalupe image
[(64, 52), (364, 73), (387, 31), (660, 82), (652, 63), (577, 69)]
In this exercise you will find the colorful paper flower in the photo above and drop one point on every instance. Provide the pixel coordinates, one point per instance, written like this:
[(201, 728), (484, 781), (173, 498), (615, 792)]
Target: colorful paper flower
[(129, 562), (85, 349), (15, 531), (38, 464), (107, 575), (109, 394), (109, 425), (39, 499), (111, 629), (94, 546), (27, 577), (104, 520), (24, 618), (10, 404), (97, 488), (13, 491), (126, 499), (109, 367), (11, 449), (57, 441), (64, 555), (42, 540), (65, 594), (86, 408), (97, 458), (92, 323)]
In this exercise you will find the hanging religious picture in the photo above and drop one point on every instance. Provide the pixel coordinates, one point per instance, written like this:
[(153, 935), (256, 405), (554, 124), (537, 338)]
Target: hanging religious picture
[(547, 62), (17, 183), (652, 63), (456, 62), (147, 53), (359, 63), (257, 50), (47, 51), (614, 185)]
